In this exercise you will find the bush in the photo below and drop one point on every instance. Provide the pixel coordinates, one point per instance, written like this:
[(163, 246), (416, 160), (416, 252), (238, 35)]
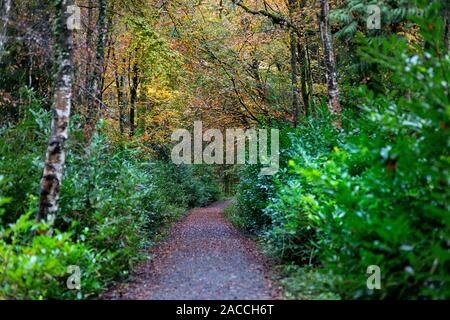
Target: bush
[(252, 194), (114, 203), (22, 148), (390, 181), (35, 260), (293, 234), (376, 192), (185, 185)]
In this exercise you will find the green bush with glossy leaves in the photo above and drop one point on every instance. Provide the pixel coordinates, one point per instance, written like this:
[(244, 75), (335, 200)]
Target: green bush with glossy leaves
[(376, 192)]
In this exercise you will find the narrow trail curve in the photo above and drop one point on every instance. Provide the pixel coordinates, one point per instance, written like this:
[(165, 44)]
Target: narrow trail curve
[(204, 257)]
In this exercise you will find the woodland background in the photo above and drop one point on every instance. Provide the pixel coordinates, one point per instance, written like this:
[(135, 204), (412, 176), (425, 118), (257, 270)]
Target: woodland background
[(363, 114)]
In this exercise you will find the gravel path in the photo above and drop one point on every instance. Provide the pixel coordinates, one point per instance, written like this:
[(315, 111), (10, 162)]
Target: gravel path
[(203, 258)]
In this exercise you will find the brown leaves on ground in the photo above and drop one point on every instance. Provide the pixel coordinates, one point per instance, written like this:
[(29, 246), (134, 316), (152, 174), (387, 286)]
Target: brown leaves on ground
[(203, 258)]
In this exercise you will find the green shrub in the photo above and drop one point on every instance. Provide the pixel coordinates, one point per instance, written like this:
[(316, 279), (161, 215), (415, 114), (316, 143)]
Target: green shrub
[(375, 193), (185, 185), (106, 199), (113, 205), (35, 260), (293, 234), (22, 148), (390, 183), (234, 215), (252, 195)]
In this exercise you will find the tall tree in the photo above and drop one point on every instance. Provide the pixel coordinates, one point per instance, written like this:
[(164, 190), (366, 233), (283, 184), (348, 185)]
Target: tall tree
[(333, 90), (55, 157), (120, 92), (134, 83), (305, 66), (293, 39), (4, 19), (446, 14), (88, 47), (96, 79), (305, 76)]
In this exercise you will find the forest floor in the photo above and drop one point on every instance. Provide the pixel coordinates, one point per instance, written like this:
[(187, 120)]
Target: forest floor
[(204, 257)]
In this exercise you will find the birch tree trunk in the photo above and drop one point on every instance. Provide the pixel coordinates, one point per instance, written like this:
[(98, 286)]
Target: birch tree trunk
[(333, 90), (4, 16), (55, 157)]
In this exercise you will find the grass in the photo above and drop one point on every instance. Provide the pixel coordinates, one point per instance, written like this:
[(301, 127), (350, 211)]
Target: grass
[(305, 283), (232, 214)]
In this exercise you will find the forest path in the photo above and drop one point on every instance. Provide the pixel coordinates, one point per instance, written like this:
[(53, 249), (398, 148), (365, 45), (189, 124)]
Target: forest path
[(204, 257)]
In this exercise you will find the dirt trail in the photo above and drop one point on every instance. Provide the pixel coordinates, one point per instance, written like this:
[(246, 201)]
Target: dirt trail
[(204, 257)]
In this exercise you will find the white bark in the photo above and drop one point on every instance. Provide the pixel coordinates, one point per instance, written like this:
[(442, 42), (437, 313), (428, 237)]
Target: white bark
[(55, 156), (5, 9)]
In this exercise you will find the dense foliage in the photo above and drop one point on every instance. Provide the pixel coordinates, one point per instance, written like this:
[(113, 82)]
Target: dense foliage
[(115, 203), (375, 193), (364, 125)]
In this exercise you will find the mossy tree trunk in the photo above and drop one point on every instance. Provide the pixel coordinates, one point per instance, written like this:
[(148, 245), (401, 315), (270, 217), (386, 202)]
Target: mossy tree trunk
[(55, 156)]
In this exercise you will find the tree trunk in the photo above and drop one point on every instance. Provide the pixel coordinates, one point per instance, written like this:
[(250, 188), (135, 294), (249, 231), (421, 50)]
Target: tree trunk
[(5, 8), (447, 31), (294, 68), (120, 102), (55, 157), (133, 98), (446, 14), (305, 89), (294, 80), (124, 105), (254, 69), (305, 68), (333, 90), (89, 45), (309, 71), (120, 85), (95, 89)]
